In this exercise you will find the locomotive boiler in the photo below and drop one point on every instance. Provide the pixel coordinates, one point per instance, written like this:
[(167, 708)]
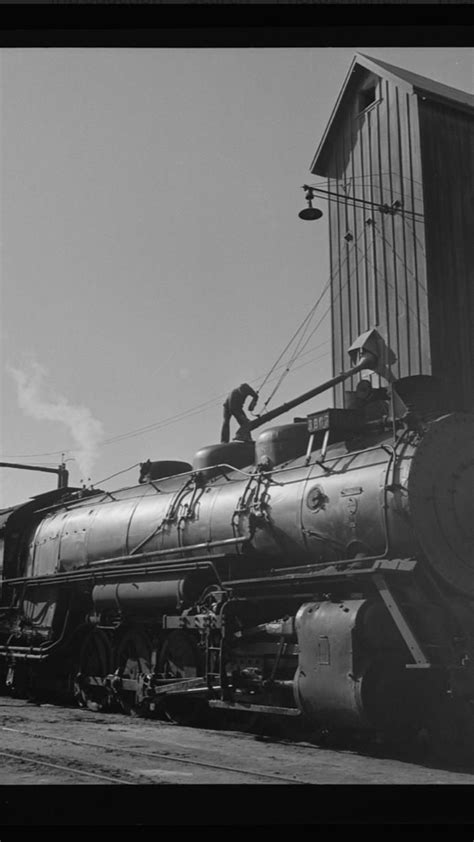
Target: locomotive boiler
[(322, 575)]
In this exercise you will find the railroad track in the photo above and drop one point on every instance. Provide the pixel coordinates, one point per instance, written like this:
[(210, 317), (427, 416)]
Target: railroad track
[(71, 770), (166, 756)]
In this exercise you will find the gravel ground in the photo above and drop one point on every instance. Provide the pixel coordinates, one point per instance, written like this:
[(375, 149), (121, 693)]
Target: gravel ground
[(52, 746), (130, 750)]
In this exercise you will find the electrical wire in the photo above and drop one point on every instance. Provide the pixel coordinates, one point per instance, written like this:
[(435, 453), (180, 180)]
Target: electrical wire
[(302, 329), (420, 244), (339, 291), (111, 476), (396, 291), (335, 298), (303, 323), (34, 455), (211, 402), (315, 306), (131, 467), (300, 347), (356, 202), (373, 181), (396, 254)]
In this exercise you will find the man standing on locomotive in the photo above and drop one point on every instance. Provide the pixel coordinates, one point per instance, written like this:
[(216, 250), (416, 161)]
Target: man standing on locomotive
[(233, 406)]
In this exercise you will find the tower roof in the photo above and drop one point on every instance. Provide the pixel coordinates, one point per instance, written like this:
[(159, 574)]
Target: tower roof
[(412, 83)]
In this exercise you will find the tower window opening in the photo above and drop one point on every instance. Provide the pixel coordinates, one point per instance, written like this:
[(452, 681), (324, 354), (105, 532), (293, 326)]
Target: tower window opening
[(367, 97)]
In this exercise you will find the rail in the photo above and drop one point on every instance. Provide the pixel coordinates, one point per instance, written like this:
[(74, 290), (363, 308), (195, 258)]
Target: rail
[(173, 758)]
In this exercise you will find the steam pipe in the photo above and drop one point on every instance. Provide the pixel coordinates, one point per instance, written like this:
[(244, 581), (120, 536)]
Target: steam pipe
[(84, 574), (367, 361), (106, 564), (29, 467)]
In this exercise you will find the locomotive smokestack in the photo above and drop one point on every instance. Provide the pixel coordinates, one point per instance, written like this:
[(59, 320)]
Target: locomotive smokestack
[(63, 476)]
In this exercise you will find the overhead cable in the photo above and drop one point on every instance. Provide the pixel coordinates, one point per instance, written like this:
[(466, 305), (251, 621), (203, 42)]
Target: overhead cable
[(299, 348), (149, 428)]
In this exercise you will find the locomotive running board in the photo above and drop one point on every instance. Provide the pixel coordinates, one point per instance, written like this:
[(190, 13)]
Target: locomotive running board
[(334, 570), (278, 711)]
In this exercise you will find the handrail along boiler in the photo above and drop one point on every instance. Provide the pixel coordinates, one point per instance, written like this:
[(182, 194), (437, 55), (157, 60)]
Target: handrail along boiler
[(324, 574)]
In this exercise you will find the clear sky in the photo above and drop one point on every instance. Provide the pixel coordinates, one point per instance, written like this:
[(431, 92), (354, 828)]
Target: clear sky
[(152, 256)]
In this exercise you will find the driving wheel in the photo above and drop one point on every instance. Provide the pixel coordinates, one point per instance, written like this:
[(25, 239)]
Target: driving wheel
[(132, 658), (94, 664), (180, 658)]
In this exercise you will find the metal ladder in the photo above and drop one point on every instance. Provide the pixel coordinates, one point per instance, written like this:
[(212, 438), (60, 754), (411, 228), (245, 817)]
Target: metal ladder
[(215, 672)]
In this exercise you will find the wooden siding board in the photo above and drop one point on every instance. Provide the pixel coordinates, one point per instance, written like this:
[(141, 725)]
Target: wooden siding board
[(413, 233), (372, 252), (405, 317), (347, 290), (447, 139), (384, 284), (344, 280), (334, 311), (419, 238), (361, 240), (352, 265), (440, 269), (385, 226), (380, 277), (404, 80), (465, 252), (336, 285), (395, 234), (368, 233)]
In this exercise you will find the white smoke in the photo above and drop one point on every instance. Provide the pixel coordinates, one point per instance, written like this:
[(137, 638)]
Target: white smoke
[(86, 431)]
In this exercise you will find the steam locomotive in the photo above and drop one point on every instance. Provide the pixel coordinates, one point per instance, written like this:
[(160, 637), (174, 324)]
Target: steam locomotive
[(323, 574)]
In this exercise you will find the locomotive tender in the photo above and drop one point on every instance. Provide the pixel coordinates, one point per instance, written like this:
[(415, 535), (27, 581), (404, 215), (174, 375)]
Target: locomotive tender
[(324, 574)]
